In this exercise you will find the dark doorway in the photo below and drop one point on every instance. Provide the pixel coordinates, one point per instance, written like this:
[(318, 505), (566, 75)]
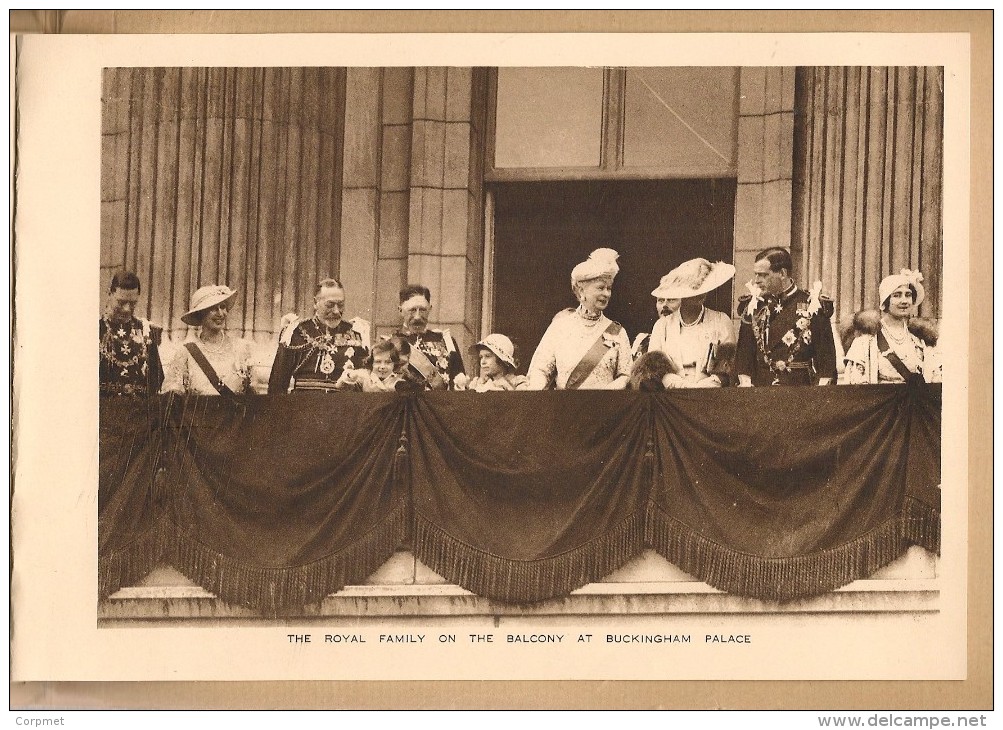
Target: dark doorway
[(542, 229)]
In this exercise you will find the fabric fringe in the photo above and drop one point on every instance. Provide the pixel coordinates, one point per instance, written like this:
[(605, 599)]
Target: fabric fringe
[(921, 525), (527, 581), (285, 591), (129, 565), (792, 578)]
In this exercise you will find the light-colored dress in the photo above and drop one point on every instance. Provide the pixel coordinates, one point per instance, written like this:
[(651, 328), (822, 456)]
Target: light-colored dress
[(866, 364), (232, 361), (485, 385), (690, 346), (373, 383), (565, 343)]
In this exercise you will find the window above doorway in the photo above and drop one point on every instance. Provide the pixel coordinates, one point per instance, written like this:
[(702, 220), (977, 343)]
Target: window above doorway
[(590, 123)]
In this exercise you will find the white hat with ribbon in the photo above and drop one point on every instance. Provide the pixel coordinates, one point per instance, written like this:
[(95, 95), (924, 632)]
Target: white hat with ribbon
[(501, 346), (206, 297)]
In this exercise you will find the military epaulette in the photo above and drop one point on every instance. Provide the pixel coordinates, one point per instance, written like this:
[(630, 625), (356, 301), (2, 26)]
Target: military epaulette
[(150, 331), (288, 327), (743, 307), (640, 345), (448, 339), (826, 306), (364, 329)]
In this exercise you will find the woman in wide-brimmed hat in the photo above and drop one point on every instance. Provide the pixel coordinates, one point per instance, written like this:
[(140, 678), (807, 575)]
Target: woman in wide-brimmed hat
[(582, 348), (892, 345), (211, 362), (699, 342)]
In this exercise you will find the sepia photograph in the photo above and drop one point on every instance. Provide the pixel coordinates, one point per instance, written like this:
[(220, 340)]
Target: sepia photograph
[(358, 260), (314, 278)]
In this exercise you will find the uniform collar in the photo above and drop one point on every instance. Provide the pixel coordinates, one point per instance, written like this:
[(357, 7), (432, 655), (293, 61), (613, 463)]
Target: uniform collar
[(789, 293)]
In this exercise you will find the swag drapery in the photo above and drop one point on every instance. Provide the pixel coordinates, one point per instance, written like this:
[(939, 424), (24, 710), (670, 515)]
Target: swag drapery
[(275, 502)]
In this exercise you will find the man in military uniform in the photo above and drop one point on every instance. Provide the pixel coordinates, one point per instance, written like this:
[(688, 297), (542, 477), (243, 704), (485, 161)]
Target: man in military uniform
[(664, 306), (129, 346), (785, 337), (435, 360), (314, 353)]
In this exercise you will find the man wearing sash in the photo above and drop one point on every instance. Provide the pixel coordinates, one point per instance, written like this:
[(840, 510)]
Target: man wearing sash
[(785, 337), (128, 345), (315, 352), (435, 362), (582, 348)]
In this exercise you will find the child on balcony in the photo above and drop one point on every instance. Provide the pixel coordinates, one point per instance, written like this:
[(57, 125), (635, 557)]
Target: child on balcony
[(496, 355)]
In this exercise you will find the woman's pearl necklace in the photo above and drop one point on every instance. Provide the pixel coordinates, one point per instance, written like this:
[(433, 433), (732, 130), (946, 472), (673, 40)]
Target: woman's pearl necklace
[(217, 348), (695, 322), (590, 319), (898, 339)]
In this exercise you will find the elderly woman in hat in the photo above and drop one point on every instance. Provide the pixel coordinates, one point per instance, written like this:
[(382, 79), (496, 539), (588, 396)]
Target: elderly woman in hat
[(695, 339), (210, 362), (892, 346), (496, 356), (582, 348)]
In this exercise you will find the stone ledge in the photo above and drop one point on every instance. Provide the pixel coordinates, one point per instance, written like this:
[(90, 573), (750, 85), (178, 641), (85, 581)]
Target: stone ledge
[(648, 585), (376, 603)]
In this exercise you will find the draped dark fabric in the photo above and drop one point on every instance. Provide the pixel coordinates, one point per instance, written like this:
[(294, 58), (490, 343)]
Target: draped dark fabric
[(275, 502), (780, 500), (519, 497)]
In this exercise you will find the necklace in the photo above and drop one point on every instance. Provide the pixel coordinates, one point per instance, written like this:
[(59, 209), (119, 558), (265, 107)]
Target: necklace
[(223, 346), (590, 319), (695, 322), (897, 339)]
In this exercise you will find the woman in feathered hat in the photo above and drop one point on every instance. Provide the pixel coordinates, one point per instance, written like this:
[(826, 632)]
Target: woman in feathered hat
[(210, 362), (582, 348), (699, 342), (893, 346)]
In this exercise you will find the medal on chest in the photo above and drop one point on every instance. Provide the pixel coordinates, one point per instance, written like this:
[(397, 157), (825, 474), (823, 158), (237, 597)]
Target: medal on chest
[(327, 364)]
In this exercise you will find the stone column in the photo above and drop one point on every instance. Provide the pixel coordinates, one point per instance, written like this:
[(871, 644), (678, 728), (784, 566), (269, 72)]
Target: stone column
[(444, 243), (765, 145), (360, 218), (394, 196)]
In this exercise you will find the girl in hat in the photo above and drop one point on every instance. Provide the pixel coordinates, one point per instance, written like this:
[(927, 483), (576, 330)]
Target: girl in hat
[(892, 346), (496, 355), (582, 348), (699, 342), (210, 362)]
